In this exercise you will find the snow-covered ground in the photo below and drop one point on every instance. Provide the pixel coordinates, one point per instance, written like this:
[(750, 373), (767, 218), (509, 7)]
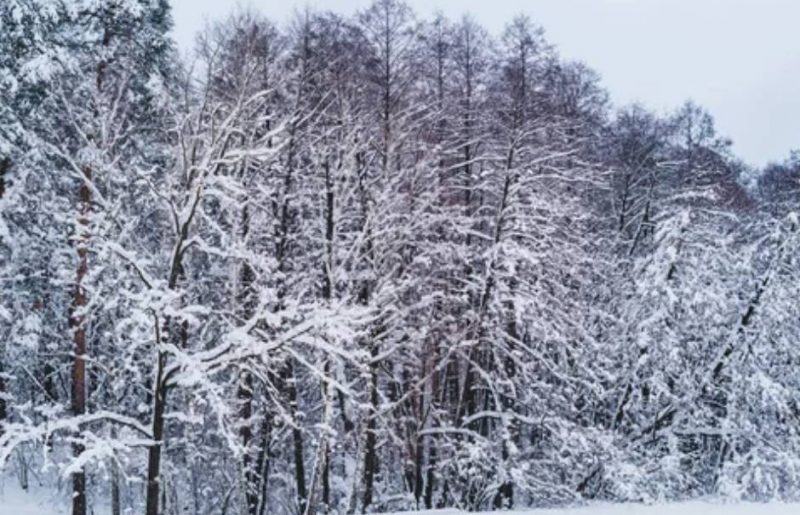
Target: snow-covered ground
[(35, 501), (687, 508), (14, 501)]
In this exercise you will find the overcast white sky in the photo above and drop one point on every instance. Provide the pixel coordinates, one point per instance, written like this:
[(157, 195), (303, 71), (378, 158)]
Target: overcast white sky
[(738, 58)]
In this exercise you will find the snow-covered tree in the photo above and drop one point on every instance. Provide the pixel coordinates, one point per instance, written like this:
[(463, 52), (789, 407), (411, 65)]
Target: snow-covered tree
[(375, 263)]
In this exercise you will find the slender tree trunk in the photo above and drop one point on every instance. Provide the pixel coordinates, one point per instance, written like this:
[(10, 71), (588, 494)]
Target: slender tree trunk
[(326, 478), (160, 387), (154, 452), (297, 440), (155, 492), (369, 461), (5, 165), (327, 294), (245, 300), (263, 462), (430, 477), (370, 451), (419, 463), (299, 468), (505, 497), (320, 479), (3, 393), (116, 507), (245, 395), (78, 325), (79, 302)]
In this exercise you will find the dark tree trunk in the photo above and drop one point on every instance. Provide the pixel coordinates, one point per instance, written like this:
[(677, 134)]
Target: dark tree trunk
[(245, 395), (327, 294), (297, 439), (78, 326), (154, 452), (418, 469), (263, 462), (370, 451), (246, 301), (319, 479), (116, 506), (179, 333), (5, 165), (430, 477), (3, 393), (79, 302), (326, 479)]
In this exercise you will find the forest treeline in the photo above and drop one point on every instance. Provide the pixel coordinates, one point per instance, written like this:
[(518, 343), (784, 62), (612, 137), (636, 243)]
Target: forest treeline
[(374, 263)]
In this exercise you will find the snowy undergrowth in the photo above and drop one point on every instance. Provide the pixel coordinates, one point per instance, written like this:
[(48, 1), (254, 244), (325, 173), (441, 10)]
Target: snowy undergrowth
[(685, 508), (39, 501), (33, 501)]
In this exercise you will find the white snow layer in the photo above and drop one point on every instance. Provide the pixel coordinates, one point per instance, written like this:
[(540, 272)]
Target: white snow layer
[(35, 501), (14, 501), (685, 508)]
